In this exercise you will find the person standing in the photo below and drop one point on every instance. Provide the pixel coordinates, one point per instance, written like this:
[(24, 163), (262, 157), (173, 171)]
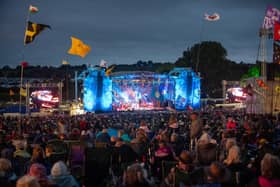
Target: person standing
[(195, 129), (231, 125)]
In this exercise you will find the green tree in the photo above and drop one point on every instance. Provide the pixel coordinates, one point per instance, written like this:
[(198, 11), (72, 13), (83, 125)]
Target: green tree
[(209, 58), (165, 68)]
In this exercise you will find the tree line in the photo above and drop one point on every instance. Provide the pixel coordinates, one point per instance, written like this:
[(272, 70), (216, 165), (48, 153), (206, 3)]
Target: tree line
[(209, 58)]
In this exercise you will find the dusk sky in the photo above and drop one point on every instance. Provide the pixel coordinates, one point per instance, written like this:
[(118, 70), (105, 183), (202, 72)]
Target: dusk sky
[(125, 31)]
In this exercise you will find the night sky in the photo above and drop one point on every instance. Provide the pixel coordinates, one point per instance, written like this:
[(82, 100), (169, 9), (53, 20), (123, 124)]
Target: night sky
[(125, 31)]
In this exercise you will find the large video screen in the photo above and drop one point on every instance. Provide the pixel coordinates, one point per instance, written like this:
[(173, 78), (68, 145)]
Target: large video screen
[(45, 98), (140, 94), (235, 95)]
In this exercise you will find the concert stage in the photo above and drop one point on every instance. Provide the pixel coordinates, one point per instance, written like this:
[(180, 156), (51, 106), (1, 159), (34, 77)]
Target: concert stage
[(140, 90)]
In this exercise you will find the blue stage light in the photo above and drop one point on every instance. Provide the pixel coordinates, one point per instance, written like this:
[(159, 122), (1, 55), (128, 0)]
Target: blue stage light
[(141, 90), (89, 94)]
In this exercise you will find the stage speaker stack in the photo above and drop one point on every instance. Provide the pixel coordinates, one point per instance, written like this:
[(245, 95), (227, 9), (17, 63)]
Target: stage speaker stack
[(99, 92)]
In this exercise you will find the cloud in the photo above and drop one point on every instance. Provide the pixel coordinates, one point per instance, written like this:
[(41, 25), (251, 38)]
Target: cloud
[(126, 31)]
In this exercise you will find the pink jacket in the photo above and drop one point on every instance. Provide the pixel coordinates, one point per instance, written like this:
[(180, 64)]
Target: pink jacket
[(264, 182)]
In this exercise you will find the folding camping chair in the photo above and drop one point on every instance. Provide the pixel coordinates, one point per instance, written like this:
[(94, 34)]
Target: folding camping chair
[(76, 159)]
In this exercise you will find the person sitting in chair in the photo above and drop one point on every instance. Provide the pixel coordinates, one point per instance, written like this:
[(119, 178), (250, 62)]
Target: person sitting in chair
[(180, 174)]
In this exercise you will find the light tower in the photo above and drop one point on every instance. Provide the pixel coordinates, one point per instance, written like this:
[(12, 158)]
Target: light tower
[(262, 57)]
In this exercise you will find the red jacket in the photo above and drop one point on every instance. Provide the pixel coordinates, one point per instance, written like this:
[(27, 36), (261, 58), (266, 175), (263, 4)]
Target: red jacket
[(231, 125)]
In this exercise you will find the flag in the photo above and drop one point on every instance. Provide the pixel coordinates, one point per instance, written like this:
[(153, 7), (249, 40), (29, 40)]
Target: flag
[(103, 63), (261, 83), (277, 30), (32, 30), (109, 70), (24, 64), (64, 62), (271, 15), (213, 17), (11, 92), (276, 52), (23, 92), (79, 48), (33, 9)]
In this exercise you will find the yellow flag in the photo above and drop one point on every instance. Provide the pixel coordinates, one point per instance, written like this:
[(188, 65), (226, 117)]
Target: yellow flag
[(79, 48), (64, 62), (11, 93), (23, 92), (109, 70)]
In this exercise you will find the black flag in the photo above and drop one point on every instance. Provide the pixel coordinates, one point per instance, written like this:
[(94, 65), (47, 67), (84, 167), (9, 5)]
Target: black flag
[(33, 29)]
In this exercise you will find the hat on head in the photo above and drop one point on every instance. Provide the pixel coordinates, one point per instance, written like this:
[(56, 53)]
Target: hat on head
[(59, 169), (39, 171)]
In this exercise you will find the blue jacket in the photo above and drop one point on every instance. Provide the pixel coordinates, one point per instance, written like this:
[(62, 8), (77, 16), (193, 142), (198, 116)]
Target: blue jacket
[(65, 181)]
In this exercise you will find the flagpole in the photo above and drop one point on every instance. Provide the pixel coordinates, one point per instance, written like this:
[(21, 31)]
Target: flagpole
[(66, 81), (21, 75), (23, 57), (76, 86), (26, 24), (21, 80), (20, 99), (199, 46)]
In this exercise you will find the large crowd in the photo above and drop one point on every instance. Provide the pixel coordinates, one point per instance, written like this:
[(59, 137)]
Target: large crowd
[(211, 147)]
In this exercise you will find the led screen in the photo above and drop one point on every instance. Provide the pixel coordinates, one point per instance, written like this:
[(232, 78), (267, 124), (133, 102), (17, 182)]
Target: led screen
[(44, 98), (235, 94)]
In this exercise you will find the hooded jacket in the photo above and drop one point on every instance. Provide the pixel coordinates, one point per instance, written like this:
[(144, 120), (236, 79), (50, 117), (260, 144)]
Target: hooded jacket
[(64, 181)]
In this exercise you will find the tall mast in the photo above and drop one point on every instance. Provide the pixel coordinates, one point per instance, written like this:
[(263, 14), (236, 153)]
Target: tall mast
[(262, 57)]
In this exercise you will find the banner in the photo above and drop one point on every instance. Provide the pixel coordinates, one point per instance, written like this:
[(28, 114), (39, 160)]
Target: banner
[(271, 15)]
